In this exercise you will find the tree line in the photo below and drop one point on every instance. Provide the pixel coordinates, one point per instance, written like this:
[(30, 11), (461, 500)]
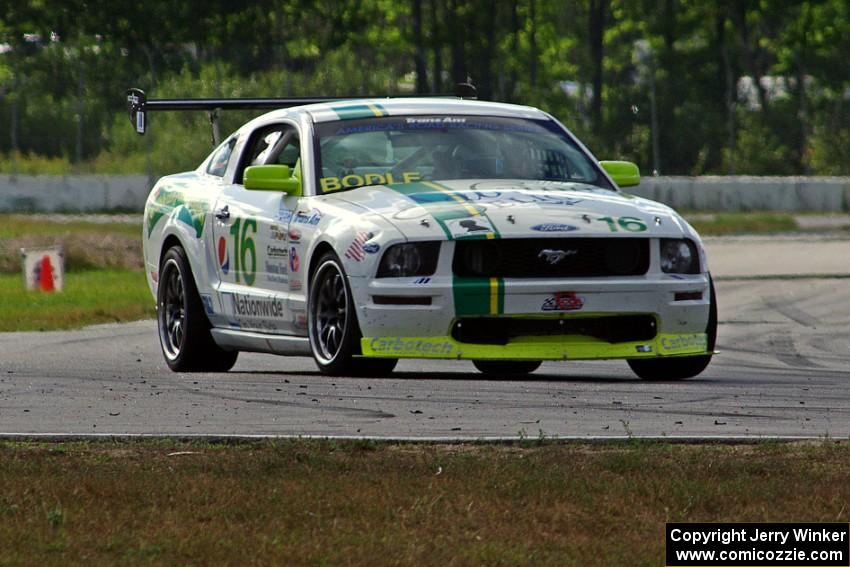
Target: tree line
[(678, 86)]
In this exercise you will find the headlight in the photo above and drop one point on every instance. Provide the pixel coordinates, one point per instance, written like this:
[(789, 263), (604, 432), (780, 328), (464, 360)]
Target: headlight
[(679, 256), (413, 259)]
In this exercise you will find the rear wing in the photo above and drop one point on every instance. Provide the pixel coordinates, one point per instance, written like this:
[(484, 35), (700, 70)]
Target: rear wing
[(138, 105)]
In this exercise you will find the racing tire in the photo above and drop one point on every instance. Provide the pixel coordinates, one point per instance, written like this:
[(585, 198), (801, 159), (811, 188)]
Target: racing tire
[(659, 369), (506, 367), (184, 330), (332, 325)]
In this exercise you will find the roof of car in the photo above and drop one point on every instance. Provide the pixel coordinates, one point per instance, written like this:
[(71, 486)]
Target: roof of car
[(378, 107)]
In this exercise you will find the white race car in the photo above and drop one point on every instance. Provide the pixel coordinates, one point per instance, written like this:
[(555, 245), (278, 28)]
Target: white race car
[(368, 230)]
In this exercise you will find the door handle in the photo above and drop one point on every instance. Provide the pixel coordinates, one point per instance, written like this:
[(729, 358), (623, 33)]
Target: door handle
[(223, 213)]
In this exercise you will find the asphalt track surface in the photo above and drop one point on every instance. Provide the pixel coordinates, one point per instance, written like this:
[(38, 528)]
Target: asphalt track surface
[(783, 372)]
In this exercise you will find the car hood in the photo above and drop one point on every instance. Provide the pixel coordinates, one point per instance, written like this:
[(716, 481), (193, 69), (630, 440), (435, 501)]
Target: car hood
[(514, 208)]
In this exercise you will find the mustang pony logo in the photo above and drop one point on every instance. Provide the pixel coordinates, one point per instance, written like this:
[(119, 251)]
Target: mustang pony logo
[(553, 257)]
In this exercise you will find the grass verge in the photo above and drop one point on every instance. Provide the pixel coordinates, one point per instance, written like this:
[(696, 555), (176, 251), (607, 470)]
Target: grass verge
[(306, 502), (90, 297)]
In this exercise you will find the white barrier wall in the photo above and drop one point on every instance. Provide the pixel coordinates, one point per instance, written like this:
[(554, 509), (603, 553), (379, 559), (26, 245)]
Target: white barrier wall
[(72, 193), (747, 193), (45, 193)]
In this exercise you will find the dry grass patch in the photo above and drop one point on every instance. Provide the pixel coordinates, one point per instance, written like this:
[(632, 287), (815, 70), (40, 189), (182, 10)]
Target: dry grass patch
[(362, 503)]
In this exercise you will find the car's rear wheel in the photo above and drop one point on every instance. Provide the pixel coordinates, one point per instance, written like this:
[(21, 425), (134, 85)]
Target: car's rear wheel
[(683, 367), (184, 330), (332, 324), (506, 367)]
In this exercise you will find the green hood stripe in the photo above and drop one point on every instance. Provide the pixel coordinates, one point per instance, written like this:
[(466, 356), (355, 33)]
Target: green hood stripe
[(472, 296), (357, 111)]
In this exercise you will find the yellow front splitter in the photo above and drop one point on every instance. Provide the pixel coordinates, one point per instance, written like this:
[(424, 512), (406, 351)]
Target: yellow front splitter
[(535, 348)]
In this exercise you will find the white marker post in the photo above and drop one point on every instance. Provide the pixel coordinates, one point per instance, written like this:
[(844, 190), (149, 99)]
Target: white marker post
[(44, 269)]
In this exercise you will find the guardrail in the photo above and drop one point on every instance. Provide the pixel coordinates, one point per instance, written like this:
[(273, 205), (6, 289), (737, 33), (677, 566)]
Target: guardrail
[(86, 193)]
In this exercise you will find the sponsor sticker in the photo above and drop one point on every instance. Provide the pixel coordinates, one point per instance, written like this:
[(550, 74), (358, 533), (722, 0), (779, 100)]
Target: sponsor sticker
[(273, 251), (223, 255), (310, 219), (421, 280), (284, 215), (680, 343), (294, 235), (330, 184), (469, 226), (400, 346), (554, 227), (563, 301), (294, 260), (277, 232), (208, 303), (355, 250), (295, 285), (251, 306), (371, 248)]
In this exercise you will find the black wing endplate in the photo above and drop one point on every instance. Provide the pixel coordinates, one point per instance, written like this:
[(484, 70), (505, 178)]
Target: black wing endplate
[(138, 104)]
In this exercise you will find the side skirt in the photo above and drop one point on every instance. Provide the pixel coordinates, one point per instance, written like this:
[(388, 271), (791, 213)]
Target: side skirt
[(259, 342)]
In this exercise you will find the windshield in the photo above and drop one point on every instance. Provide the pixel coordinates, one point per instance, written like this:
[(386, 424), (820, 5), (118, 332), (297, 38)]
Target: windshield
[(401, 149)]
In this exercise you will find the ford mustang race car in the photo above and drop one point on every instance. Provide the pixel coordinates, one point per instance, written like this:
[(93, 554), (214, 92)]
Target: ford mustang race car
[(367, 230)]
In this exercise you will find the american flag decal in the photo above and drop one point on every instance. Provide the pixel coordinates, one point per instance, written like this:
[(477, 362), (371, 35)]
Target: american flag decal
[(355, 251)]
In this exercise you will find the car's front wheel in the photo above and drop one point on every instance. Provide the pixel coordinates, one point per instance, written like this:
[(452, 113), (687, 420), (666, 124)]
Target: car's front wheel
[(184, 330), (683, 367), (332, 324)]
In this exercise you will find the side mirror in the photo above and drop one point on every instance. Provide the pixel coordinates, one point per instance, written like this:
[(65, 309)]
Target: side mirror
[(272, 178), (624, 173)]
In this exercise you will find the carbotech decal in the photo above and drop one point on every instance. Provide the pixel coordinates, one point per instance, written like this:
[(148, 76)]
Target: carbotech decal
[(410, 346), (683, 343)]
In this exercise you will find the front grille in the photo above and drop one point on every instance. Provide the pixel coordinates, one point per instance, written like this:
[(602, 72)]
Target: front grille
[(551, 257), (500, 330)]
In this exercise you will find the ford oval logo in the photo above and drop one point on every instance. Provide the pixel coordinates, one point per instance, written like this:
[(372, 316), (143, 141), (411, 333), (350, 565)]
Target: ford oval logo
[(553, 227)]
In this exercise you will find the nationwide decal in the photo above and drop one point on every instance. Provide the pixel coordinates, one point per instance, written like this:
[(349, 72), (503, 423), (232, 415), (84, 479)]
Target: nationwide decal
[(165, 202), (273, 251), (311, 219), (398, 345), (355, 250), (371, 248), (563, 301), (223, 255), (294, 260), (554, 227), (684, 343), (330, 184), (248, 306)]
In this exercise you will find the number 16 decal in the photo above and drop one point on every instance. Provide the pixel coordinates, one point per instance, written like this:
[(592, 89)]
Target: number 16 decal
[(243, 246)]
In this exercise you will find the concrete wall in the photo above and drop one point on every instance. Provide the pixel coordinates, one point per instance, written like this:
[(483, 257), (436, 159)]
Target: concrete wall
[(54, 193), (745, 193), (710, 193)]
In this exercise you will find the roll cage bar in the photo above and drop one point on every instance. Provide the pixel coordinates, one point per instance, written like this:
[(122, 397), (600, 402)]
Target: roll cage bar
[(138, 105)]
